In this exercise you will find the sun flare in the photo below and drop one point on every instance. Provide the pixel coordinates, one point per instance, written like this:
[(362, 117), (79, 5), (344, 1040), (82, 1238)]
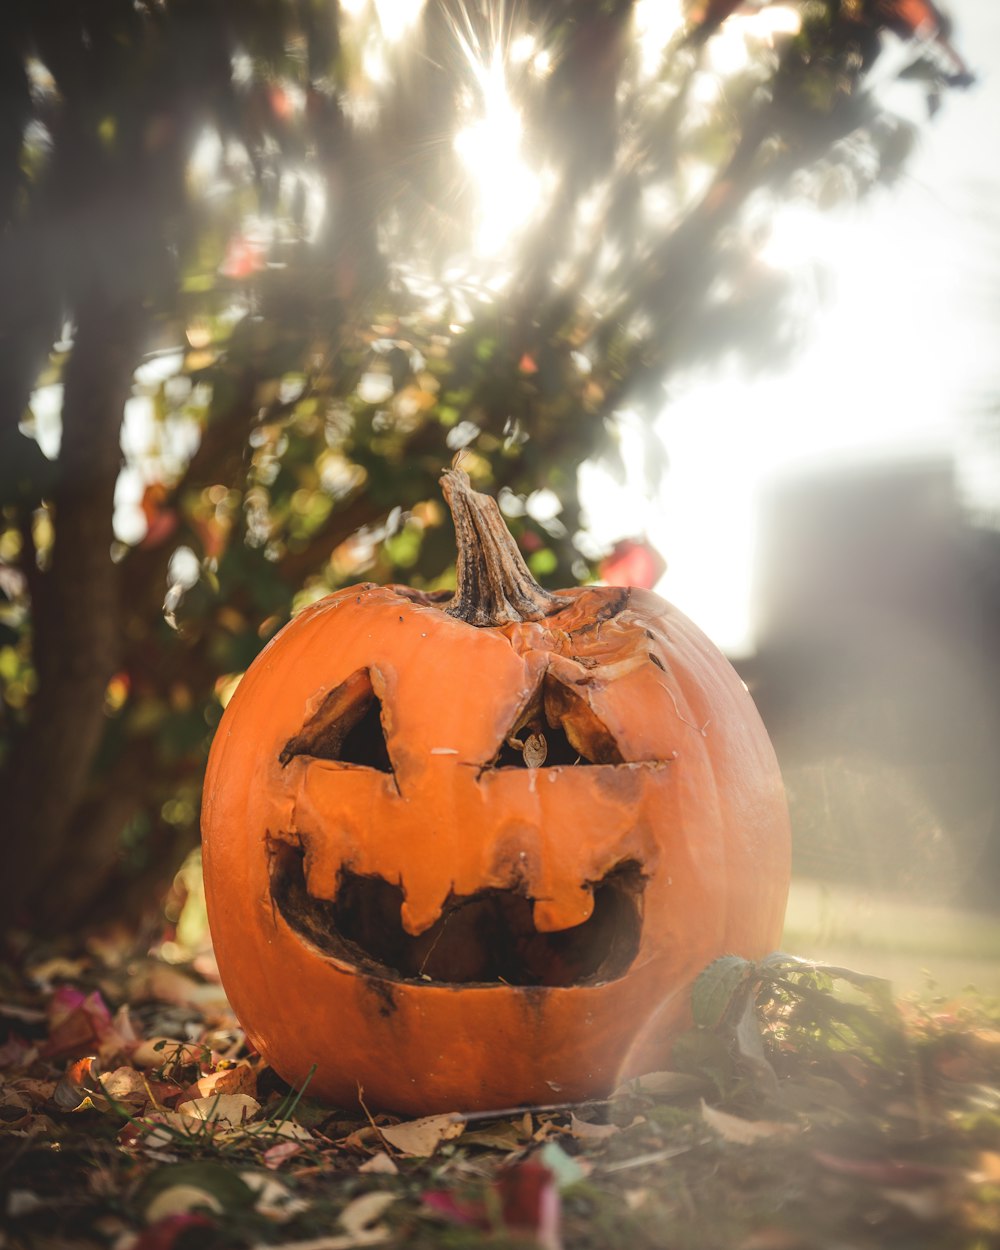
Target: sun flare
[(507, 190)]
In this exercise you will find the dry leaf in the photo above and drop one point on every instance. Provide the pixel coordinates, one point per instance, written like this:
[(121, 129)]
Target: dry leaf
[(358, 1219), (591, 1132), (166, 1053), (271, 1198), (275, 1156), (16, 1108), (499, 1137), (31, 1087), (380, 1164), (422, 1137), (239, 1079), (361, 1213), (170, 985), (535, 750), (125, 1085), (22, 1202), (286, 1128), (180, 1200), (733, 1128), (227, 1110)]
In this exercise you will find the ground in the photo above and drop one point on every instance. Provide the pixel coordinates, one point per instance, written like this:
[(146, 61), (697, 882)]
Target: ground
[(809, 1109)]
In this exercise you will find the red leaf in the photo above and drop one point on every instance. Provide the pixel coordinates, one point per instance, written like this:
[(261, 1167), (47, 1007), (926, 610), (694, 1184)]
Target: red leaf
[(242, 258), (16, 1052), (454, 1210), (164, 1233), (633, 562), (161, 520), (78, 1023), (529, 1200)]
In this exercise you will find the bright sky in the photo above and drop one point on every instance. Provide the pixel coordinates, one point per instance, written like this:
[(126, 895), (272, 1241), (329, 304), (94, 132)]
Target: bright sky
[(903, 355)]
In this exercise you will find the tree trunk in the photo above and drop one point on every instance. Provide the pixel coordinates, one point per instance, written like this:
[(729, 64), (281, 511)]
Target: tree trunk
[(75, 612)]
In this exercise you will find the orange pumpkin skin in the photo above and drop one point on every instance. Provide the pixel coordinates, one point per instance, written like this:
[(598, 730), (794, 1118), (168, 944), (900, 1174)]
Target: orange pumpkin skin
[(695, 810)]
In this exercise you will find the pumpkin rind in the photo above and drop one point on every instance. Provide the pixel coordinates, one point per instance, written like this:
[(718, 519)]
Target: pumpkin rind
[(697, 803)]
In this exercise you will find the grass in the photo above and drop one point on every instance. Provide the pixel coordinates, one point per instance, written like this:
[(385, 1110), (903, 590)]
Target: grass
[(909, 942)]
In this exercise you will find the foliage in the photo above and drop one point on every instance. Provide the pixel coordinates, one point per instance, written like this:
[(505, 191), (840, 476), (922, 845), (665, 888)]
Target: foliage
[(287, 259), (132, 1110)]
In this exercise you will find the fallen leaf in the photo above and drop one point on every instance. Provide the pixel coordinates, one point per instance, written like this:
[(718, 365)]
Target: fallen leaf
[(184, 1187), (78, 1022), (275, 1156), (225, 1109), (37, 1091), (22, 1202), (420, 1138), (361, 1213), (271, 1198), (15, 1109), (76, 1085), (17, 1052), (166, 1054), (289, 1129), (125, 1085), (180, 1200), (170, 985), (455, 1210), (164, 1233), (158, 1130), (379, 1164), (586, 1131), (529, 1201), (238, 1079), (497, 1137), (733, 1128)]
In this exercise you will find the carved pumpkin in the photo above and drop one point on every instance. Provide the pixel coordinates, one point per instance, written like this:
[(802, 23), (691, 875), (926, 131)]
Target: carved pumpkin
[(472, 851)]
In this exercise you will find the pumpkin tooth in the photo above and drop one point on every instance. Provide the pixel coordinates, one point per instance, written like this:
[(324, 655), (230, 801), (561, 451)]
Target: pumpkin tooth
[(419, 912), (565, 910)]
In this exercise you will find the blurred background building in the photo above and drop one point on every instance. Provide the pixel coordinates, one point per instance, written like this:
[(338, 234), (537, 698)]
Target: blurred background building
[(877, 669)]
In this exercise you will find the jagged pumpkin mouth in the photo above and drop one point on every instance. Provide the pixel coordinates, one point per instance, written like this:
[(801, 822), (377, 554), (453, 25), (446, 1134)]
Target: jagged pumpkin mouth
[(483, 939)]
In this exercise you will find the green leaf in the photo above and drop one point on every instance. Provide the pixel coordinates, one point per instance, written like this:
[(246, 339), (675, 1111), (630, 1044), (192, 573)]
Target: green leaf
[(717, 986)]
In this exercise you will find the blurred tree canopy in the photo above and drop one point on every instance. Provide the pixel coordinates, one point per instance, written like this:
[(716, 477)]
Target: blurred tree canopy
[(268, 264)]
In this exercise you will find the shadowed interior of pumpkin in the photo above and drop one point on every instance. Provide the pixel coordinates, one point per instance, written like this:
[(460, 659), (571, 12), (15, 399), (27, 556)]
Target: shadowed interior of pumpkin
[(485, 938)]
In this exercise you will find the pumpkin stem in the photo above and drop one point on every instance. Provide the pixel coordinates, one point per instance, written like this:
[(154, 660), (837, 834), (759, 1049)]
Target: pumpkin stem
[(494, 586)]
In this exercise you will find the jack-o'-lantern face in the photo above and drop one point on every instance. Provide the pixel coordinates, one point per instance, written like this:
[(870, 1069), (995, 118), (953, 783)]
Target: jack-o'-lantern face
[(473, 865)]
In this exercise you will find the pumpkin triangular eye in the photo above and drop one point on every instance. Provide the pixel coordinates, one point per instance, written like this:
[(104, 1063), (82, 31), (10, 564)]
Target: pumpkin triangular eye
[(347, 727), (557, 727)]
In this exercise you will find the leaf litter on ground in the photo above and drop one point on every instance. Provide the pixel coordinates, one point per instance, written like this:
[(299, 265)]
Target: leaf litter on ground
[(806, 1109)]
